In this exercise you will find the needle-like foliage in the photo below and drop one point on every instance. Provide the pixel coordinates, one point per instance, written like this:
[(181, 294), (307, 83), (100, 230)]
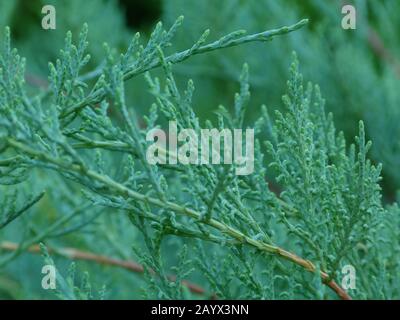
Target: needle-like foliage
[(85, 137)]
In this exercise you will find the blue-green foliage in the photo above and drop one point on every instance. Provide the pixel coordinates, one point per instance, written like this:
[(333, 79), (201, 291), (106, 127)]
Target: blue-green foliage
[(74, 173)]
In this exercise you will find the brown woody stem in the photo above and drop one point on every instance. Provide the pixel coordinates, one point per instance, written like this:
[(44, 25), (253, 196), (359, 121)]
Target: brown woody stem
[(75, 254)]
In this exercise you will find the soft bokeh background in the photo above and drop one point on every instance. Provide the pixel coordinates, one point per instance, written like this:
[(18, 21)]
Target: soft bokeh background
[(358, 72)]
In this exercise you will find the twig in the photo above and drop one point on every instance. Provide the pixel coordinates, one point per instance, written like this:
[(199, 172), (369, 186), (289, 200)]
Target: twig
[(381, 51), (75, 254)]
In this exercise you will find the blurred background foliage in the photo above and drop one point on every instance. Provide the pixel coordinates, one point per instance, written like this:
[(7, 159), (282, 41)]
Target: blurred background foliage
[(358, 72)]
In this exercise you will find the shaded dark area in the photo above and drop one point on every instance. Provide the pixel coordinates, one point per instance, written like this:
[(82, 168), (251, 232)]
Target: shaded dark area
[(25, 14), (141, 14)]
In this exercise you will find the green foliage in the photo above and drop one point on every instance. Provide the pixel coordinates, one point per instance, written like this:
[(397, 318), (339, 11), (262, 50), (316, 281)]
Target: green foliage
[(67, 289), (333, 192), (358, 70), (73, 160)]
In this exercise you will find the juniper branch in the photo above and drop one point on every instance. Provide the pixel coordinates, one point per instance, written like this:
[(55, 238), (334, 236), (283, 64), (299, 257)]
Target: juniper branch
[(224, 229), (11, 216), (231, 40), (40, 236)]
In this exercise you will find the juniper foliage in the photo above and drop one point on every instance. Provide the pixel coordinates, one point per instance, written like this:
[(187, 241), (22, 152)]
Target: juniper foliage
[(81, 145), (346, 64)]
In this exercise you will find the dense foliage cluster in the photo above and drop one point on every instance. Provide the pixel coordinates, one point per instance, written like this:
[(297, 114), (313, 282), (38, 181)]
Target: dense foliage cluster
[(76, 184)]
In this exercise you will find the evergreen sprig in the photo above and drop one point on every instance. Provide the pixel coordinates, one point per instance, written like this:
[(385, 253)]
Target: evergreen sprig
[(329, 204)]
